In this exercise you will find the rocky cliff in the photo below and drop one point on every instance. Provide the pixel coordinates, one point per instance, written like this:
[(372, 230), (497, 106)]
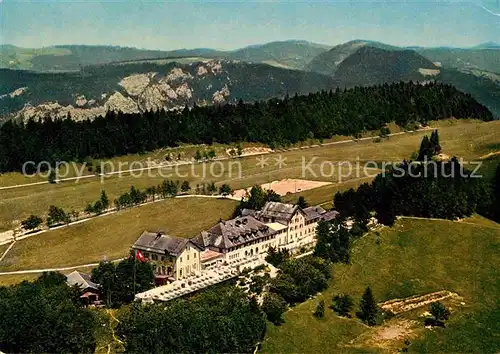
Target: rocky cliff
[(144, 87)]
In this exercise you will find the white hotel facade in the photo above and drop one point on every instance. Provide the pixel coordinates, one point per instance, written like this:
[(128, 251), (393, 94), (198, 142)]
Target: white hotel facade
[(247, 237)]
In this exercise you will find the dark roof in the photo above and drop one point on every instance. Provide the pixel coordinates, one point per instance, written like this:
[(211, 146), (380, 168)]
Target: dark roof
[(313, 212), (248, 212), (82, 280), (238, 231), (278, 211), (159, 242), (329, 215)]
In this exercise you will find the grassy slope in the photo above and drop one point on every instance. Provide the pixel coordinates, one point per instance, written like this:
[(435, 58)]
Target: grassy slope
[(110, 237), (20, 58), (415, 257), (466, 139)]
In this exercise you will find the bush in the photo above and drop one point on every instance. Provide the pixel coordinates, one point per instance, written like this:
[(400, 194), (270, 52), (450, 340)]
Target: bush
[(52, 177), (439, 311), (320, 309), (342, 305), (274, 306), (258, 283), (32, 222), (276, 258), (299, 279), (384, 132), (259, 267), (433, 322)]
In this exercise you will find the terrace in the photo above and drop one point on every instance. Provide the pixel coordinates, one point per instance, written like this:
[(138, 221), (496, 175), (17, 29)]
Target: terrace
[(199, 281)]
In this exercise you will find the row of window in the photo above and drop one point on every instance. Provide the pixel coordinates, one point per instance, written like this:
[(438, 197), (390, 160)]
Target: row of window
[(156, 257), (194, 256), (188, 269), (254, 242)]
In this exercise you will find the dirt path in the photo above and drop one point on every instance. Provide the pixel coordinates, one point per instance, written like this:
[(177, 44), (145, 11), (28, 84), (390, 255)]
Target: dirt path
[(35, 271), (10, 238), (7, 250)]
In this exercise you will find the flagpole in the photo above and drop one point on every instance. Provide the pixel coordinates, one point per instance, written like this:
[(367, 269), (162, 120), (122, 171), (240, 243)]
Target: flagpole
[(135, 260)]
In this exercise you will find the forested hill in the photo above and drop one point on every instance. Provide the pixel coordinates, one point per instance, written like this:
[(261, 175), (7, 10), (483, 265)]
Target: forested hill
[(373, 66), (277, 121)]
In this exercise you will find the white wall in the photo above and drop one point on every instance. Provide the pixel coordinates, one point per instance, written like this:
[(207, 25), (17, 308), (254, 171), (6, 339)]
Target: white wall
[(187, 262)]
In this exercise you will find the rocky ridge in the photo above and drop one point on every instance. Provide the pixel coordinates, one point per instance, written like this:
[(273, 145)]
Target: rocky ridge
[(138, 92)]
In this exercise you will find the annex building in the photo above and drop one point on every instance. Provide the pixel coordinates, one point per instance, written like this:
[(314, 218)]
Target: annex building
[(172, 257)]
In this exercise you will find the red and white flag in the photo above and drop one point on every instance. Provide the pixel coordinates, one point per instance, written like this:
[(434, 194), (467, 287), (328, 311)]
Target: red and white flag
[(139, 256)]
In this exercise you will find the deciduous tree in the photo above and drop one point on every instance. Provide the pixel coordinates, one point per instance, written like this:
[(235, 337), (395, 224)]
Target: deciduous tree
[(32, 222), (274, 306)]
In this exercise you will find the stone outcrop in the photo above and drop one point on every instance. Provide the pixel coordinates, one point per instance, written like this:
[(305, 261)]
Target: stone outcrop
[(184, 91), (81, 101), (136, 84), (140, 92), (220, 96), (118, 102), (55, 110), (177, 74), (18, 92)]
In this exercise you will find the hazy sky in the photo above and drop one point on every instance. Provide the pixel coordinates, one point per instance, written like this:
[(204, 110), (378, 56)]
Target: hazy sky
[(232, 24)]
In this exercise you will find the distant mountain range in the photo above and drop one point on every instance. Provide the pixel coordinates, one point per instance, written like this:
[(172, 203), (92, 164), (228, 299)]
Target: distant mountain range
[(85, 81), (286, 54)]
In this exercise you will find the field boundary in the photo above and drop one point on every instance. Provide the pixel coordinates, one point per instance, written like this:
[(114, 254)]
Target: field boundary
[(35, 271), (109, 211), (182, 163)]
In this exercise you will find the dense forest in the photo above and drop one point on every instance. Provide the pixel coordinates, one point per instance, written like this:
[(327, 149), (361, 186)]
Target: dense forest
[(431, 189), (274, 122)]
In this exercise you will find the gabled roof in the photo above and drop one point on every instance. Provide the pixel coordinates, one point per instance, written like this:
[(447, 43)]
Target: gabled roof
[(238, 231), (313, 212), (159, 242), (209, 255), (329, 215), (248, 212), (82, 280), (279, 211)]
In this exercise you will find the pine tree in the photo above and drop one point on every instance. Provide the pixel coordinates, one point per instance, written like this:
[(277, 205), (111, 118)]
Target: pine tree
[(368, 308), (185, 187), (425, 149), (342, 305), (302, 202), (52, 176), (434, 143), (197, 155), (439, 311), (320, 309), (104, 200)]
